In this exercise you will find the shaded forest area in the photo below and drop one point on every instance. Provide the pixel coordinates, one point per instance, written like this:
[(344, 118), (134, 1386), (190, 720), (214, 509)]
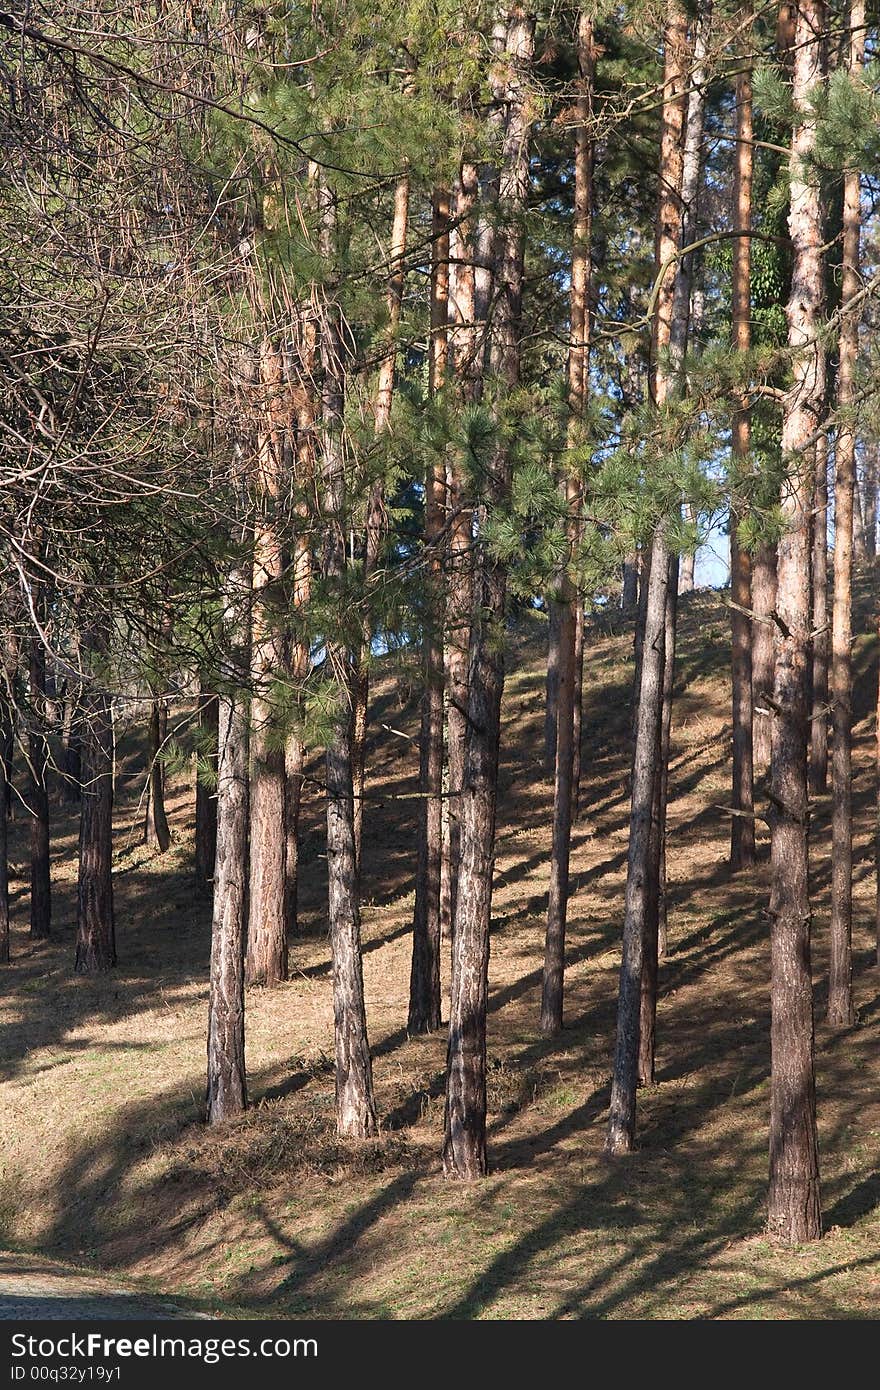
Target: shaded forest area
[(402, 848), (103, 1077)]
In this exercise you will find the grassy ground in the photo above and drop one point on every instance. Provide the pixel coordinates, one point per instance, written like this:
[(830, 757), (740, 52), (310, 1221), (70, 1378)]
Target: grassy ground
[(103, 1159)]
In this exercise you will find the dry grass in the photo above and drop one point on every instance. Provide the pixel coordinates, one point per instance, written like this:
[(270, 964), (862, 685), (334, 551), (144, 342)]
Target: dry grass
[(103, 1158)]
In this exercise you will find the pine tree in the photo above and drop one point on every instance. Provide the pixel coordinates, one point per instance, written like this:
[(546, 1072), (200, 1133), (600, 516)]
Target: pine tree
[(464, 1146), (570, 604), (95, 923), (794, 1212), (424, 994), (38, 793), (840, 1000), (266, 958), (742, 827), (640, 920), (355, 1107)]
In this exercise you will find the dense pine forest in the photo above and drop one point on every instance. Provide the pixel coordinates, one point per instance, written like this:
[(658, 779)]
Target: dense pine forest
[(440, 700)]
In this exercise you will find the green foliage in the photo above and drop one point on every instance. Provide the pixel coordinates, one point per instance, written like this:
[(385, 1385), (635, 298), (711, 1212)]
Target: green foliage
[(772, 95), (848, 127)]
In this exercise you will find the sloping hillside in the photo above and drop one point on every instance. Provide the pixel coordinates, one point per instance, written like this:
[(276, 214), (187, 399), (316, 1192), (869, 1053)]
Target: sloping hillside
[(103, 1159)]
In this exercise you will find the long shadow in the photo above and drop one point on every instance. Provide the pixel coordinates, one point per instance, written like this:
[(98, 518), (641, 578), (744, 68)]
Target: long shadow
[(325, 968), (305, 1262), (852, 1206), (668, 1207)]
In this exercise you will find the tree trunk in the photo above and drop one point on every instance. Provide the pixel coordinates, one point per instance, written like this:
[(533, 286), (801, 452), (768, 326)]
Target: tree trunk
[(424, 990), (679, 330), (71, 769), (742, 824), (266, 958), (557, 903), (763, 604), (794, 1213), (294, 766), (38, 797), (643, 855), (840, 1000), (570, 649), (577, 716), (156, 832), (621, 1127), (375, 529), (653, 892), (639, 639), (464, 351), (206, 790), (300, 591), (821, 644), (464, 1147), (686, 578), (551, 695), (10, 656), (870, 485), (227, 1078), (355, 1107), (95, 925), (672, 593), (629, 600)]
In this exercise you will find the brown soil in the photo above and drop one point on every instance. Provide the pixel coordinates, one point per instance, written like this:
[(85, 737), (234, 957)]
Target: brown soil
[(103, 1157)]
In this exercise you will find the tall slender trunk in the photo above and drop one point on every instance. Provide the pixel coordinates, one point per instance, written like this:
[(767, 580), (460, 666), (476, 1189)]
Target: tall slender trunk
[(647, 1026), (672, 593), (688, 565), (300, 588), (742, 825), (870, 485), (765, 557), (679, 332), (794, 1212), (95, 925), (840, 1001), (266, 957), (227, 1078), (820, 644), (860, 537), (763, 662), (10, 661), (355, 1107), (206, 791), (375, 528), (38, 796), (551, 693), (639, 640), (464, 352), (156, 832), (577, 716), (424, 991), (622, 1121), (629, 597), (71, 769), (642, 866), (570, 606), (464, 1146)]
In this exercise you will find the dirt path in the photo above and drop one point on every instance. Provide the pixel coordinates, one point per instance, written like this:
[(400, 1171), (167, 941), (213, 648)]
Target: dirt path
[(31, 1287)]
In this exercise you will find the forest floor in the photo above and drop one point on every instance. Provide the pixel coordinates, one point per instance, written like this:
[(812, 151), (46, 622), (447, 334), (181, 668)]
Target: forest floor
[(104, 1160)]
